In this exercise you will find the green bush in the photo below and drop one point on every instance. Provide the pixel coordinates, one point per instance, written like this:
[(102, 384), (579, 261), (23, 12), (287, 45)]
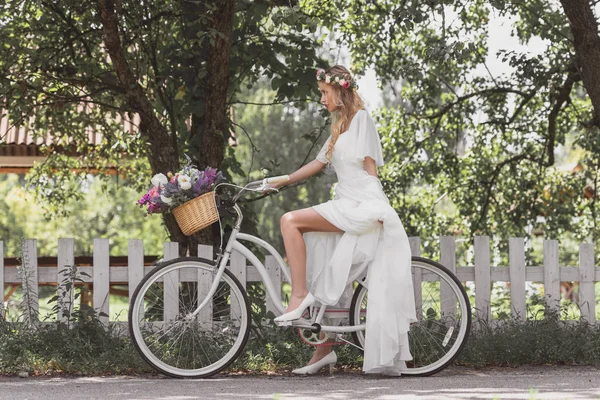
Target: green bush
[(83, 345), (535, 341), (86, 348)]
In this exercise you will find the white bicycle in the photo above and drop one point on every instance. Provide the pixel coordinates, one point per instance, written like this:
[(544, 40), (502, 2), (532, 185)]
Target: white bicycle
[(190, 317)]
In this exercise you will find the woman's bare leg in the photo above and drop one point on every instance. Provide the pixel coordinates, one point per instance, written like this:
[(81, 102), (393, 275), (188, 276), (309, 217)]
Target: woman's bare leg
[(321, 351), (293, 225)]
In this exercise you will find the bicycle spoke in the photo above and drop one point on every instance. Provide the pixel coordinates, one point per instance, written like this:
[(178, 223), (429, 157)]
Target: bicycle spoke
[(185, 346), (443, 319)]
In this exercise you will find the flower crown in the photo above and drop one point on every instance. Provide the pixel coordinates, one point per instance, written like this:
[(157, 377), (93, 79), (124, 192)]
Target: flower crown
[(344, 80)]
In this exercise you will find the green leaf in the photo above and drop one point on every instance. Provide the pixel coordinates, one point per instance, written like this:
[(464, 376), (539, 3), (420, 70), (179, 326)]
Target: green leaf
[(181, 92)]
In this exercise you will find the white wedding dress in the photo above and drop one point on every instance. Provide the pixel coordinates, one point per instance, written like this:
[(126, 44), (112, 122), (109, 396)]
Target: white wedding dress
[(335, 260)]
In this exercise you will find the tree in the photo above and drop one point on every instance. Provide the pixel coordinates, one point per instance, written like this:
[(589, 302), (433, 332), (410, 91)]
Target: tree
[(276, 140), (66, 67), (108, 212), (483, 148)]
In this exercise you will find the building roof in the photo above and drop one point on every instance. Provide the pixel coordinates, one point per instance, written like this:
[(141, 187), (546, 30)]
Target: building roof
[(20, 148)]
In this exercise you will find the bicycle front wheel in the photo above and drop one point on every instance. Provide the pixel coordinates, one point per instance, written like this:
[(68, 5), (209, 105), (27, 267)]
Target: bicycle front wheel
[(443, 313), (169, 338)]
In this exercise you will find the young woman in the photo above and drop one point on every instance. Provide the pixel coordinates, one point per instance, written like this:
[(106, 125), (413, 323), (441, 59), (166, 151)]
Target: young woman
[(355, 230)]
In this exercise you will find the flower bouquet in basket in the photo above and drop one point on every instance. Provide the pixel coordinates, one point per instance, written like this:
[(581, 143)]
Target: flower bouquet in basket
[(189, 194)]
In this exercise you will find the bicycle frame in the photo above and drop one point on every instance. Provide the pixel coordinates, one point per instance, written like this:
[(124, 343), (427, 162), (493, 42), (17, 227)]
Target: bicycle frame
[(234, 244)]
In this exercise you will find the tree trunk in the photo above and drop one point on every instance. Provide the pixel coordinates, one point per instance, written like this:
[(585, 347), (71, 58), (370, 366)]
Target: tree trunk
[(162, 156), (587, 48), (214, 121), (213, 124)]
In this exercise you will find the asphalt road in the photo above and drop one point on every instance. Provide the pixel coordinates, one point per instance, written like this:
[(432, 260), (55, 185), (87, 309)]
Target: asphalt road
[(534, 382)]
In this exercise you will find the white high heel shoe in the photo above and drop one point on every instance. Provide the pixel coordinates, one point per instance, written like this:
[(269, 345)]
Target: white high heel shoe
[(287, 318), (312, 369)]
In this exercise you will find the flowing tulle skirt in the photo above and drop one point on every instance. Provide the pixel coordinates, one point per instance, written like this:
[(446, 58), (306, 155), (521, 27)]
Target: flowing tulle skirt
[(335, 260)]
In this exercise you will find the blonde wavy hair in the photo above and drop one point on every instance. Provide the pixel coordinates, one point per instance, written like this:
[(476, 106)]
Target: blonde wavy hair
[(348, 102)]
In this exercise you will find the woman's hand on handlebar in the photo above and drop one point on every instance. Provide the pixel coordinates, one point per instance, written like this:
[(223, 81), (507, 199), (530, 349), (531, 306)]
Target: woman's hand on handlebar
[(274, 183), (269, 188)]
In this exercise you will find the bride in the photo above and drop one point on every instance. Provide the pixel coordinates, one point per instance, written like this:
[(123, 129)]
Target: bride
[(329, 245)]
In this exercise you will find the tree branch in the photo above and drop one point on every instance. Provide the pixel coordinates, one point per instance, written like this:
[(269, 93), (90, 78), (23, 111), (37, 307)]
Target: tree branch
[(161, 158), (460, 99), (275, 102), (494, 175), (587, 48), (562, 97)]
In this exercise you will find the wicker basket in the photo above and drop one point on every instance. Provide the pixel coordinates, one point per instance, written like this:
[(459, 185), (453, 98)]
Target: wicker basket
[(197, 214)]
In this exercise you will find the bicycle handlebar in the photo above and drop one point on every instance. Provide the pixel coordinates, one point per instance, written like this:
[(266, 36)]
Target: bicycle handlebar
[(259, 186)]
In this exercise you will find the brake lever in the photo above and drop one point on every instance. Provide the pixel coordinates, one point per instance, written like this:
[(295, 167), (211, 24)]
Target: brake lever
[(265, 188)]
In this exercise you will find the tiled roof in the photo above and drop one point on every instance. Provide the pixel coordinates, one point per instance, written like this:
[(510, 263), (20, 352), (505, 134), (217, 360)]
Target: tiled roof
[(18, 140)]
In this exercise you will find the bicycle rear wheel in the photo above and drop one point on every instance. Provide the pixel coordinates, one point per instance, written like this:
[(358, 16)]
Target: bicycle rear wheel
[(443, 313), (175, 344)]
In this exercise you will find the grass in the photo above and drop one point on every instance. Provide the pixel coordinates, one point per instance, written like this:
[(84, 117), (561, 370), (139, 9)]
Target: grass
[(86, 347), (550, 340)]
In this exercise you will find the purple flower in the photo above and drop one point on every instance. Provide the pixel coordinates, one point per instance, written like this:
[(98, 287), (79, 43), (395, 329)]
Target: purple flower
[(201, 185), (145, 198), (210, 173), (201, 181)]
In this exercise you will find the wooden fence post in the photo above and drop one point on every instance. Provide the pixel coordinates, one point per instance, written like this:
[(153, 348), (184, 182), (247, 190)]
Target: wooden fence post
[(205, 280), (516, 256), (237, 266), (415, 245), (551, 275), (29, 279), (482, 278), (101, 279), (135, 268), (587, 294), (448, 260), (171, 284), (275, 274), (66, 261), (135, 264), (415, 249)]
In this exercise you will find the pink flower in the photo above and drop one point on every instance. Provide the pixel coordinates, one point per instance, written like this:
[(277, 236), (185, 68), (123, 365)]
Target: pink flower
[(319, 72), (346, 85), (153, 192)]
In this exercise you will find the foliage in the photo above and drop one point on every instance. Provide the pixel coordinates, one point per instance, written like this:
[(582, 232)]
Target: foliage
[(55, 66), (67, 295), (86, 348), (534, 341), (106, 210), (470, 152), (275, 140), (79, 343)]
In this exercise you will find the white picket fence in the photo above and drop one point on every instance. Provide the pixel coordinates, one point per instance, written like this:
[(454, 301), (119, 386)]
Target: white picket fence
[(101, 274)]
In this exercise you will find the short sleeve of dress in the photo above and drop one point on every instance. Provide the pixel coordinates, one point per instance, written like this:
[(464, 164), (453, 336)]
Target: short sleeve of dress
[(368, 143), (322, 156)]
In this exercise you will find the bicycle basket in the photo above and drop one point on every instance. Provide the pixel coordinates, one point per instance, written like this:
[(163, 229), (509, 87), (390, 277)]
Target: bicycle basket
[(196, 214)]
